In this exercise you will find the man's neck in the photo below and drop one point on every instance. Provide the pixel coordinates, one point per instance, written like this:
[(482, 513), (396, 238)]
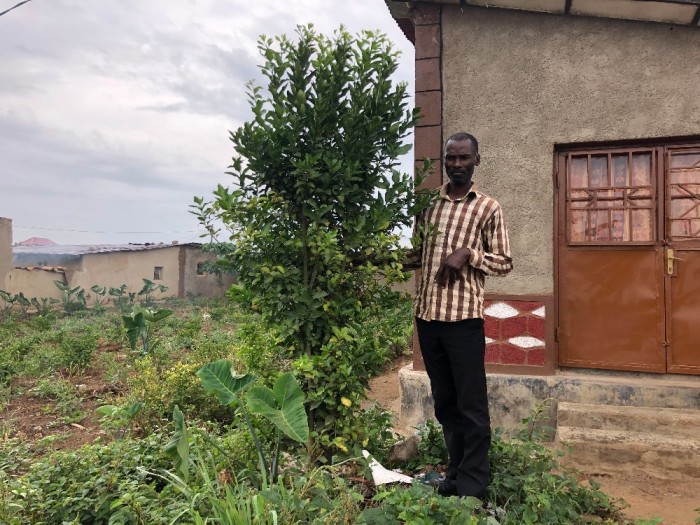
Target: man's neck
[(458, 192)]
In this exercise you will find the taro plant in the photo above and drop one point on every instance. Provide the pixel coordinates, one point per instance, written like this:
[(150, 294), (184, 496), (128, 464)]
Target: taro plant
[(119, 418), (139, 326), (43, 305), (121, 298), (148, 292), (311, 223), (283, 406), (72, 299), (8, 301), (100, 295), (23, 303)]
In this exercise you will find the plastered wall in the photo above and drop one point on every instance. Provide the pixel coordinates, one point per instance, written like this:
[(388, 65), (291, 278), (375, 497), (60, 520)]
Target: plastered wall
[(35, 282), (207, 285), (130, 268), (5, 252), (523, 82), (113, 269)]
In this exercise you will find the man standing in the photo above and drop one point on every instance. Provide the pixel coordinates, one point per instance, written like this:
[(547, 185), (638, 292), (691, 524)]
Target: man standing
[(468, 241)]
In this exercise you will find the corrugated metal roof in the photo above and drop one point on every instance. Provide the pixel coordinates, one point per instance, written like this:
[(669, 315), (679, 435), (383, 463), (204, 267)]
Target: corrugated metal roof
[(84, 249), (685, 12), (66, 254)]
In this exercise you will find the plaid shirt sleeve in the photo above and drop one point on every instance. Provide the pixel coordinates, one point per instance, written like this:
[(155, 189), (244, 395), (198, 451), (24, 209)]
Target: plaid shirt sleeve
[(495, 259)]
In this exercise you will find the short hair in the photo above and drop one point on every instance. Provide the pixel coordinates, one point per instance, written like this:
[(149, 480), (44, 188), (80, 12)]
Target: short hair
[(462, 136)]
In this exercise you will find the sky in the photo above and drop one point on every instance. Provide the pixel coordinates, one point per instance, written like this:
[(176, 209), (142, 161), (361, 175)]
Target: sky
[(114, 114)]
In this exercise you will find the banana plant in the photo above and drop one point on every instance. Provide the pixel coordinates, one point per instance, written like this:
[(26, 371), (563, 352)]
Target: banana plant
[(283, 406)]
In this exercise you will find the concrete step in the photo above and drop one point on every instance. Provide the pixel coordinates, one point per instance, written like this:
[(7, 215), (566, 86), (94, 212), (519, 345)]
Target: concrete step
[(651, 452), (673, 422), (658, 439)]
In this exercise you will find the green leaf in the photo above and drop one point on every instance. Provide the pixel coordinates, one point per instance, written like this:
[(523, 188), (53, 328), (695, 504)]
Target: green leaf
[(134, 324), (158, 315), (218, 378), (178, 448), (107, 410), (283, 406), (132, 410)]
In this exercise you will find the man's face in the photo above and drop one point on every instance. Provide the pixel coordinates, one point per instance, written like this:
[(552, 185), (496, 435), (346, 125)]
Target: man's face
[(460, 162)]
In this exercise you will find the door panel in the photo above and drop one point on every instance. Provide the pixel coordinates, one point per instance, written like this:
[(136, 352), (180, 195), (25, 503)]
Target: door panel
[(612, 316), (684, 337), (611, 288), (683, 234)]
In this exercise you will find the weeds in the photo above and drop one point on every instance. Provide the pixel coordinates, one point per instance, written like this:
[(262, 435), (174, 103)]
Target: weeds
[(77, 349), (68, 404)]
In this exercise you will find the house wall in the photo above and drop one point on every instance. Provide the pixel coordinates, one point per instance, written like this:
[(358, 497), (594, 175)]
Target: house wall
[(35, 282), (130, 268), (5, 252), (112, 269), (207, 285), (523, 82)]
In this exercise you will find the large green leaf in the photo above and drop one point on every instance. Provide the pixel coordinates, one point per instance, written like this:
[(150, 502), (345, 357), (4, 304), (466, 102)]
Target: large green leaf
[(134, 324), (284, 406), (218, 378), (157, 315), (178, 448)]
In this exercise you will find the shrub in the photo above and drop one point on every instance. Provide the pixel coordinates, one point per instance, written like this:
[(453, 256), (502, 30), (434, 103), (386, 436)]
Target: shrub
[(259, 349), (530, 485), (160, 390), (316, 206), (77, 348), (95, 484)]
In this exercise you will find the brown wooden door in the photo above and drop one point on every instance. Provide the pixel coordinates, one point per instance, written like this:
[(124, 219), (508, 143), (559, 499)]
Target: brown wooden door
[(683, 259), (620, 211)]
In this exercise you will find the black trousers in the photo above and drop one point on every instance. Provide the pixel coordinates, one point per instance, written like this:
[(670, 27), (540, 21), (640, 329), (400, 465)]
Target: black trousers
[(453, 353)]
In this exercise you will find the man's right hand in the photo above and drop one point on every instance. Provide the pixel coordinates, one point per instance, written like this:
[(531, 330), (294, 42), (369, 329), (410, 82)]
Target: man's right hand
[(451, 267)]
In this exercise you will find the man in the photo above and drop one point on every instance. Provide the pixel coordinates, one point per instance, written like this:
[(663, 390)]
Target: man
[(469, 240)]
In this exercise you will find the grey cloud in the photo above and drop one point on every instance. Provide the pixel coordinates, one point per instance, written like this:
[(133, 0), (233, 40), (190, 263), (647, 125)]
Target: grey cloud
[(51, 157), (186, 63)]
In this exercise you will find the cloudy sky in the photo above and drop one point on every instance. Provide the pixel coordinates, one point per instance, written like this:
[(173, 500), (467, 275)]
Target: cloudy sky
[(115, 113)]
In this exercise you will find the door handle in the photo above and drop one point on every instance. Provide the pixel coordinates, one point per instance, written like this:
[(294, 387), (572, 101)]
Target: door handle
[(669, 260)]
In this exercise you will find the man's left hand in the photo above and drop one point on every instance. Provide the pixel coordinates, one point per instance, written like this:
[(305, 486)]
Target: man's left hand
[(451, 267)]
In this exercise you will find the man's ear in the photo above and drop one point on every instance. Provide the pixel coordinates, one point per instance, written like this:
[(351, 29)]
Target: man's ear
[(478, 160)]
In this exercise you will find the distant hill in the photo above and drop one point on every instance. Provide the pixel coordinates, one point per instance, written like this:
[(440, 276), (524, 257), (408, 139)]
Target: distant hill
[(37, 241)]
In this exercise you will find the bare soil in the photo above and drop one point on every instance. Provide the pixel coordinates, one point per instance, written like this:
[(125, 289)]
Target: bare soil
[(667, 495), (33, 418)]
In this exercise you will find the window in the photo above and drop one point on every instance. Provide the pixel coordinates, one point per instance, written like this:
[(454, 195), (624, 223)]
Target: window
[(200, 268), (611, 197), (684, 194), (158, 273)]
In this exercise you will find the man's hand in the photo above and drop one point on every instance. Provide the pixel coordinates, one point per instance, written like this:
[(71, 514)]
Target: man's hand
[(451, 267)]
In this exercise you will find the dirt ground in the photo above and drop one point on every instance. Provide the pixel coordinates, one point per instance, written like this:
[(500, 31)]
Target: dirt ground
[(666, 495)]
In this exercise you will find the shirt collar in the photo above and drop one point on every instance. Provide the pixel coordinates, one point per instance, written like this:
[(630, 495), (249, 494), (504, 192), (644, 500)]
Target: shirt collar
[(470, 194)]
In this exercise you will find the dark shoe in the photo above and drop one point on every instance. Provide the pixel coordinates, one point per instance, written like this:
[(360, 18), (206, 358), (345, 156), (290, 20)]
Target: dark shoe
[(447, 487)]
